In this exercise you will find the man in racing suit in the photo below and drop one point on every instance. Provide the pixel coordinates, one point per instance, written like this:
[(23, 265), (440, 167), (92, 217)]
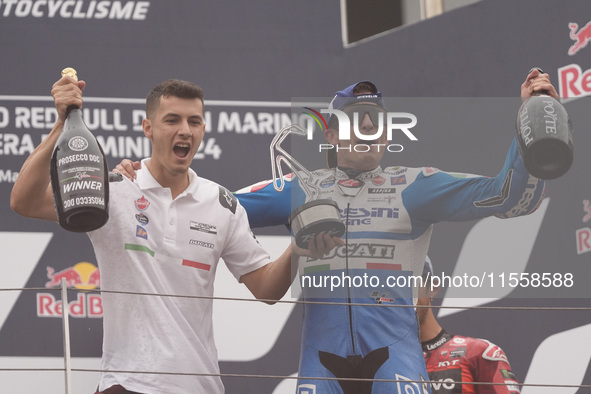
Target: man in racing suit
[(454, 362), (364, 332), (388, 215)]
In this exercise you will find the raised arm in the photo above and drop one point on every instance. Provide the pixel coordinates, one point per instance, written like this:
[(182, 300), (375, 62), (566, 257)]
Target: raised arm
[(31, 195), (271, 281), (438, 195)]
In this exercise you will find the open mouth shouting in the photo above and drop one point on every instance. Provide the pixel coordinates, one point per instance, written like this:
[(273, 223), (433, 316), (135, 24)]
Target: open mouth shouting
[(181, 149)]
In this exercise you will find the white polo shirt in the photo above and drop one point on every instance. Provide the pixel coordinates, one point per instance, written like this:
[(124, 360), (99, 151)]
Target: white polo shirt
[(154, 244)]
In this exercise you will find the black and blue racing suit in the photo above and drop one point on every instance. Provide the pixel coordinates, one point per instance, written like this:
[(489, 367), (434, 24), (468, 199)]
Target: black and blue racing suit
[(389, 215)]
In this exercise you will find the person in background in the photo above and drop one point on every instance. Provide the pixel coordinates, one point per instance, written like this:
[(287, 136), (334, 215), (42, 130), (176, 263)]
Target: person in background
[(454, 362)]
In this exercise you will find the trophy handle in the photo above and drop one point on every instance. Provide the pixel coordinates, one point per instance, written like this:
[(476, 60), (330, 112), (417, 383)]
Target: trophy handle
[(315, 216), (279, 155)]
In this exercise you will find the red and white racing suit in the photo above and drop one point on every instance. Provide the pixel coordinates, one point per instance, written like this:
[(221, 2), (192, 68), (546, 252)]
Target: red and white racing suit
[(453, 361)]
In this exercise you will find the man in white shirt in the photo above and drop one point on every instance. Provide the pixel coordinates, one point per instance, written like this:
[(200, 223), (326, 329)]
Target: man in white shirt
[(166, 232)]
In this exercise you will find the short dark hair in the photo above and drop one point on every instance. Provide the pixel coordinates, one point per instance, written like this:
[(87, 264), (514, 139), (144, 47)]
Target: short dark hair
[(365, 86), (174, 88)]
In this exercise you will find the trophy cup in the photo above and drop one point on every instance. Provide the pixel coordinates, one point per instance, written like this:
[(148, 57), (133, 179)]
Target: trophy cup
[(316, 215)]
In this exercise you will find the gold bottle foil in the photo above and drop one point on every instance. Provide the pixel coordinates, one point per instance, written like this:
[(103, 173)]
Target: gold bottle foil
[(71, 72)]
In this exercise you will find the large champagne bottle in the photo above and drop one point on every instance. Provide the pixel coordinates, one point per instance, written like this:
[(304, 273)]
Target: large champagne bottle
[(545, 136), (79, 175)]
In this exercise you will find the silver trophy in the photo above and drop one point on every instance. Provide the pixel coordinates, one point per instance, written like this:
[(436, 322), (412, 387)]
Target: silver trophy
[(316, 215)]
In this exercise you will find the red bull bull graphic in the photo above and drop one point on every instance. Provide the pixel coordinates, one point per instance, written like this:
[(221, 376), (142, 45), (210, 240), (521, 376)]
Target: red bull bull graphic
[(83, 276), (580, 36), (583, 235)]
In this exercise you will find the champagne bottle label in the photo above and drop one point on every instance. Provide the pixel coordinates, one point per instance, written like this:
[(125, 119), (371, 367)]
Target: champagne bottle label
[(79, 177), (544, 134)]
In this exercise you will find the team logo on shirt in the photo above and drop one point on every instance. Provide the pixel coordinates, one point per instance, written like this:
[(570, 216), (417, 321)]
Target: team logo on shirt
[(446, 381), (386, 190), (227, 200), (364, 216), (306, 389), (381, 199), (141, 232), (508, 374), (510, 380), (141, 204), (428, 171), (196, 242), (494, 353), (381, 298), (459, 352), (395, 170), (328, 182), (142, 219), (364, 250), (203, 227), (398, 180), (351, 183), (438, 343), (378, 180)]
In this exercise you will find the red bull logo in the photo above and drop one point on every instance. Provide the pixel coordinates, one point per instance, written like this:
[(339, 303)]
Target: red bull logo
[(83, 276), (587, 209), (580, 36), (583, 236), (573, 81)]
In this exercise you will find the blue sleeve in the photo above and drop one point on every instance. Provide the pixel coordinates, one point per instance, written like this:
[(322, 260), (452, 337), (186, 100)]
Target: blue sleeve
[(266, 206), (457, 197)]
